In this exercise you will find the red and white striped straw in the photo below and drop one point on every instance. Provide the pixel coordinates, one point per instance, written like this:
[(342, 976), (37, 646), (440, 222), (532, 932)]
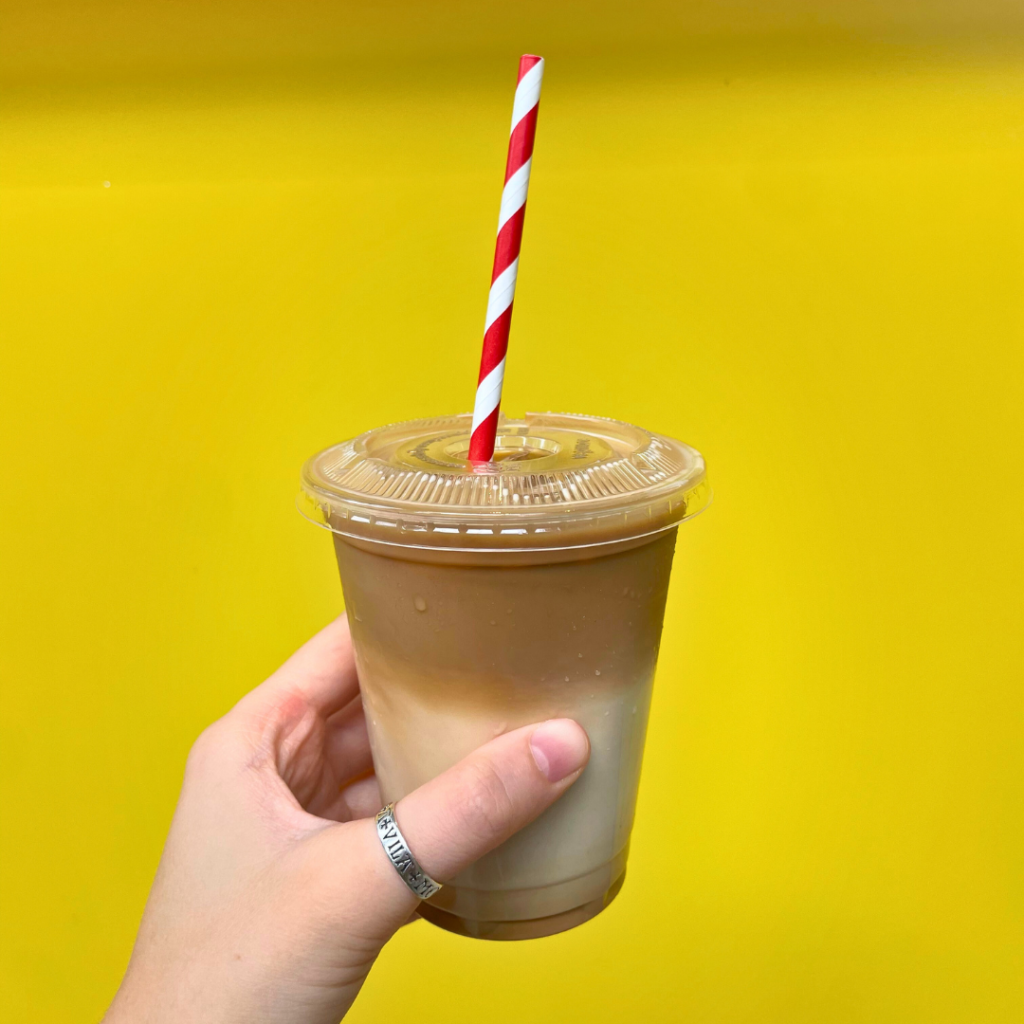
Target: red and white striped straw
[(506, 258)]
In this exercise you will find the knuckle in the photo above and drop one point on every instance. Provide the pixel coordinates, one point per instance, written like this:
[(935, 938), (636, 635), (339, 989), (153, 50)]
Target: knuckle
[(488, 808), (207, 750)]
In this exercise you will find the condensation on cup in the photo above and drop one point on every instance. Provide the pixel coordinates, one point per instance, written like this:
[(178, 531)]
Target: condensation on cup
[(483, 597)]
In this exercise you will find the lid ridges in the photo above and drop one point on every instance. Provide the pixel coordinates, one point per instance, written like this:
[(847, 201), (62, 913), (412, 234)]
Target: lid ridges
[(557, 476), (616, 477)]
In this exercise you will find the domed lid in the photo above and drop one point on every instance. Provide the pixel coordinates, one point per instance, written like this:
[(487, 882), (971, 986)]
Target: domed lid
[(555, 481)]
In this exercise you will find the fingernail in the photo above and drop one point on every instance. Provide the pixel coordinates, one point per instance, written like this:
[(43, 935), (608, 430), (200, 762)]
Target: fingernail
[(560, 747)]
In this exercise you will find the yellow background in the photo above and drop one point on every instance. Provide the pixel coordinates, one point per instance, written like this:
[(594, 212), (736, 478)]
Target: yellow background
[(791, 234)]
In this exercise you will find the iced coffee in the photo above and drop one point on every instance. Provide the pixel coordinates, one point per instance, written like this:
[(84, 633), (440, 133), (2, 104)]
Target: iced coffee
[(485, 597)]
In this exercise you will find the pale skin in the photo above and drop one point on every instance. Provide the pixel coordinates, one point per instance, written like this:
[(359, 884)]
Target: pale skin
[(274, 896)]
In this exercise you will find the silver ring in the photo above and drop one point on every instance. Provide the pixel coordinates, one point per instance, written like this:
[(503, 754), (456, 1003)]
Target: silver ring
[(401, 856)]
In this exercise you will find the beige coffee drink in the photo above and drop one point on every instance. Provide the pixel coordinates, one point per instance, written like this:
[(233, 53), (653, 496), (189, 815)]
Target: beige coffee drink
[(486, 597)]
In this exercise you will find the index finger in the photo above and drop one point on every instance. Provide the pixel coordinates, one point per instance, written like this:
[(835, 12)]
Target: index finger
[(322, 672)]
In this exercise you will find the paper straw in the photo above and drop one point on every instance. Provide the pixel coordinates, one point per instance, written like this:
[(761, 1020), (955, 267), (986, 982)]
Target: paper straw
[(506, 258)]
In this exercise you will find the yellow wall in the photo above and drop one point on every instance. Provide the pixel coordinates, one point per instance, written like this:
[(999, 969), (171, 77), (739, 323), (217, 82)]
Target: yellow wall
[(789, 234)]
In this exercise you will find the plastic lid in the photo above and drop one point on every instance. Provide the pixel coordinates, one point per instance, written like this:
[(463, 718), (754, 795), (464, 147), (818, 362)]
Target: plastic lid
[(556, 481)]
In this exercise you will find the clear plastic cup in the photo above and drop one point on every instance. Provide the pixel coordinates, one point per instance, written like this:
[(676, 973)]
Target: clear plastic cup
[(486, 597)]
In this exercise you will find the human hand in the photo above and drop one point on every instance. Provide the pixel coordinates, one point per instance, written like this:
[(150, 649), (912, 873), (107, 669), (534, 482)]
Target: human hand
[(274, 895)]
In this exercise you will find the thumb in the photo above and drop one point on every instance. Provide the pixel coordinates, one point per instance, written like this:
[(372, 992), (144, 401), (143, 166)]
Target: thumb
[(475, 806), (456, 818)]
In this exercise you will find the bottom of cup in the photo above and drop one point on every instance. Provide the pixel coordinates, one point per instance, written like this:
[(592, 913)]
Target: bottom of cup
[(534, 928)]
